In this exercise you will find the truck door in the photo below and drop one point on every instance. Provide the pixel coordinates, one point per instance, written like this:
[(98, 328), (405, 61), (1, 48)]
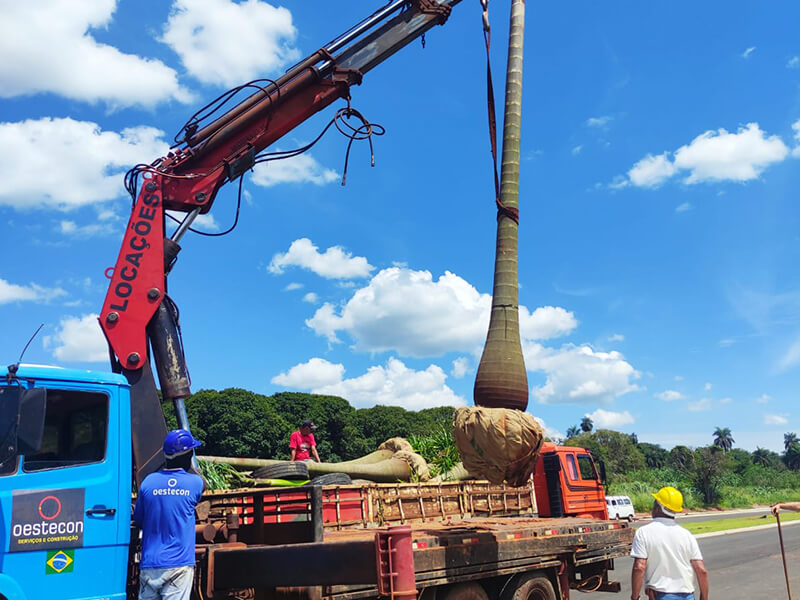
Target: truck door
[(65, 523), (583, 493)]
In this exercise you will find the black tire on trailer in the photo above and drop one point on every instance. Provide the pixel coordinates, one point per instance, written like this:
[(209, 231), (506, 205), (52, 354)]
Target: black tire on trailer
[(630, 518), (463, 591), (529, 586), (293, 471), (332, 479)]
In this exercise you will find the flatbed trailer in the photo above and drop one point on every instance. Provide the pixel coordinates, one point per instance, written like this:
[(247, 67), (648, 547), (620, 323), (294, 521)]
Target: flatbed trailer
[(425, 540)]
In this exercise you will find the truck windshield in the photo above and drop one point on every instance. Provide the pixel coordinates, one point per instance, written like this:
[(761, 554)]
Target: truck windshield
[(75, 430)]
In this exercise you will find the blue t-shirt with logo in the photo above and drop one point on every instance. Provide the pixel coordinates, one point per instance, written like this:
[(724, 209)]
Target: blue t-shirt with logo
[(165, 512)]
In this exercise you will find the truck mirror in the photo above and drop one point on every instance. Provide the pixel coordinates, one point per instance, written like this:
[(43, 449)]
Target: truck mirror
[(9, 414), (31, 420), (601, 463)]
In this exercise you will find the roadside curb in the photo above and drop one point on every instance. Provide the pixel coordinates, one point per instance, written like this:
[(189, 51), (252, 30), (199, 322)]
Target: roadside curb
[(745, 529)]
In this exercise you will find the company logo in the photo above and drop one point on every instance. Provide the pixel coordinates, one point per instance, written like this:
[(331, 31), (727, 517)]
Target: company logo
[(60, 561), (47, 520), (172, 482), (49, 508)]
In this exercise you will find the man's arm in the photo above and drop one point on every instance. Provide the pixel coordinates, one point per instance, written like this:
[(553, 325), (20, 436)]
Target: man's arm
[(314, 452), (793, 506), (637, 577), (702, 578), (294, 453)]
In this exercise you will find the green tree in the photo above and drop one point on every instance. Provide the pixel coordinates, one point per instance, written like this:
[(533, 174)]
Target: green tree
[(791, 457), (723, 438), (766, 458), (655, 456), (707, 470), (236, 422), (573, 431), (789, 440), (587, 424), (681, 458)]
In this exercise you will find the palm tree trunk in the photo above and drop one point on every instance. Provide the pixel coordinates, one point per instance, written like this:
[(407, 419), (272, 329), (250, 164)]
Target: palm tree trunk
[(501, 380)]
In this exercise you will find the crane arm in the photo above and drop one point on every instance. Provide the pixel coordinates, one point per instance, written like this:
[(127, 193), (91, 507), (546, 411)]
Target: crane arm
[(136, 311)]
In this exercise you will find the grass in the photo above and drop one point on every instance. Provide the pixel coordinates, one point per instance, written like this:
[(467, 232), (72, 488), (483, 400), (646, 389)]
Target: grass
[(736, 523)]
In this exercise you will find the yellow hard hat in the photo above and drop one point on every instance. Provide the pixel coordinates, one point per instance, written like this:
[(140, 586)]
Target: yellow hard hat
[(670, 499)]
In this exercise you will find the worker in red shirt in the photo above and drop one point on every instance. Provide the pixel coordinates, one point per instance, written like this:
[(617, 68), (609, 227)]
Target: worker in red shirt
[(302, 442)]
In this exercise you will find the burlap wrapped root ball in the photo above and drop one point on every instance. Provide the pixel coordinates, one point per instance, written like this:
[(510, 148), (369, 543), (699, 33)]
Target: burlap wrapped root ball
[(498, 444)]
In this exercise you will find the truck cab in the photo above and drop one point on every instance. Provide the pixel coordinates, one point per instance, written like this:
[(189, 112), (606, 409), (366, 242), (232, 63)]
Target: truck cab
[(568, 483), (64, 506)]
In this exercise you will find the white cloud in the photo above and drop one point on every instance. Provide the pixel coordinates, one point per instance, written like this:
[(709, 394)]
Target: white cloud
[(206, 222), (616, 337), (678, 378), (793, 63), (311, 298), (726, 342), (707, 386), (317, 372), (723, 156), (302, 168), (395, 385), (775, 419), (683, 207), (78, 339), (725, 400), (700, 405), (553, 434), (46, 47), (11, 292), (64, 164), (545, 322), (412, 314), (598, 121), (763, 399), (669, 395), (796, 129), (791, 357), (71, 228), (748, 52), (461, 367), (651, 171), (293, 286), (577, 150), (202, 33), (577, 374), (603, 419), (334, 263), (712, 156)]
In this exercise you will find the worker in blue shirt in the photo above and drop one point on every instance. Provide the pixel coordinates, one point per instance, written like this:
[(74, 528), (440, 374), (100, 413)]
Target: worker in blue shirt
[(165, 513)]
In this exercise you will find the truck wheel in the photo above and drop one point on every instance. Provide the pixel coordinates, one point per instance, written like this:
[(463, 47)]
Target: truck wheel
[(465, 591), (293, 471), (332, 479), (529, 586)]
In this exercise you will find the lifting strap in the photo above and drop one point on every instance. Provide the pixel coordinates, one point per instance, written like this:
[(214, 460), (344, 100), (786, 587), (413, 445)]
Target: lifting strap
[(502, 210)]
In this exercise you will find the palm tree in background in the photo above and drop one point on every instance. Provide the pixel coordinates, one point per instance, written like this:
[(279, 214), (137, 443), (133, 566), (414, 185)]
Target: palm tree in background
[(573, 431), (587, 424), (789, 440), (761, 456), (723, 438)]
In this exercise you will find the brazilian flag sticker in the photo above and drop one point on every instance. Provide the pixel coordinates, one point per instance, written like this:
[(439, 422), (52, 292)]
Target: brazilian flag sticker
[(59, 561)]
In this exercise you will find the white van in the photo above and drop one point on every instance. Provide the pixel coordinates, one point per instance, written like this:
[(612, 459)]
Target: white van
[(619, 507)]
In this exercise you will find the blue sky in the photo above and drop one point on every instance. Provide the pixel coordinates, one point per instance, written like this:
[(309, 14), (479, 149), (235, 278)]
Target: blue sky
[(659, 222)]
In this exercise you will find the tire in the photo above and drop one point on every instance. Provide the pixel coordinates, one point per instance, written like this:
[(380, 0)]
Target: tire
[(293, 471), (529, 586), (464, 591), (332, 479), (630, 518)]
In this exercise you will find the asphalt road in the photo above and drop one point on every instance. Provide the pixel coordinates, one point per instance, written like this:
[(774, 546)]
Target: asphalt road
[(741, 566)]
